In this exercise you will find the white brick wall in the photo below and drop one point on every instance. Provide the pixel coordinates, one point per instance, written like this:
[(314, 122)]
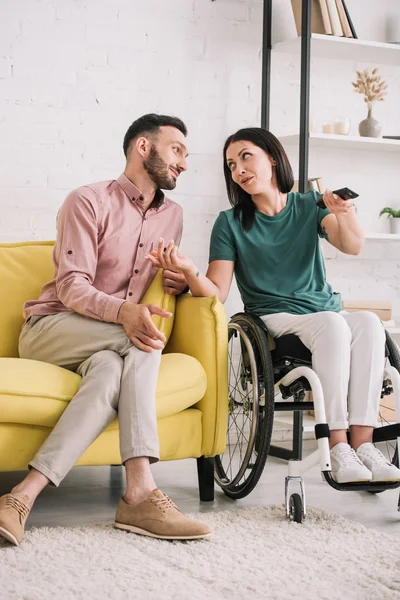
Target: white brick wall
[(74, 74)]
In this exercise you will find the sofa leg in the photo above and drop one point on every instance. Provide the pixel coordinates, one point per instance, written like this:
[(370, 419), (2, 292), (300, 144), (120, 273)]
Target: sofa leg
[(205, 472)]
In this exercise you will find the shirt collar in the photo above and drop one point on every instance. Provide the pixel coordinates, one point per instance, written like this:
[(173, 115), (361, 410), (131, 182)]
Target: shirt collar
[(135, 195)]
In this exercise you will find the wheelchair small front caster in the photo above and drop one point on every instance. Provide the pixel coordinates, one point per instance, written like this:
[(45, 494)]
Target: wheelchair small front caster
[(296, 508), (295, 499)]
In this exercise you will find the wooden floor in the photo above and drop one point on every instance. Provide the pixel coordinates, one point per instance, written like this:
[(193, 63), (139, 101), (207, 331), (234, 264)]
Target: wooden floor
[(90, 495)]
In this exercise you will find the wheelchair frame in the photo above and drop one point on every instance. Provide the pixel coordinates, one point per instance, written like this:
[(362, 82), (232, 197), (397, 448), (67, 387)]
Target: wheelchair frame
[(298, 378)]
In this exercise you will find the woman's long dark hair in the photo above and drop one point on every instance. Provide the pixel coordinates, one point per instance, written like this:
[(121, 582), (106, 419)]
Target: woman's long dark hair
[(244, 208)]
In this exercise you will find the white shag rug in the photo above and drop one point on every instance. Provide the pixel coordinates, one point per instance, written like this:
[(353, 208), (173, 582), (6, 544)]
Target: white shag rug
[(255, 553)]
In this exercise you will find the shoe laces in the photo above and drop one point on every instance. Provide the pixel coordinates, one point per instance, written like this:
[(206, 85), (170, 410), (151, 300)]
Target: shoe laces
[(164, 503), (346, 456), (374, 455), (20, 507)]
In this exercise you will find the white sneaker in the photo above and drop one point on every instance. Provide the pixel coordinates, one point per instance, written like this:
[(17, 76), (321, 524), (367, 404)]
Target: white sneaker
[(346, 466), (382, 469)]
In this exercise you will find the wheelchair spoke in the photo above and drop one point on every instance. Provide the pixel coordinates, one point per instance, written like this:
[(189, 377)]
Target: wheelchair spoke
[(240, 436), (389, 446), (237, 375), (238, 429)]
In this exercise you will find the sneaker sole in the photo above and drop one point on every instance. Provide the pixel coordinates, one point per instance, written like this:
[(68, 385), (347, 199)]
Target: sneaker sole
[(353, 480), (9, 536), (394, 480), (139, 531)]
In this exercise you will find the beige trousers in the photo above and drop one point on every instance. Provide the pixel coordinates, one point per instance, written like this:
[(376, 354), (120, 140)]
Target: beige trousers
[(348, 355), (117, 378)]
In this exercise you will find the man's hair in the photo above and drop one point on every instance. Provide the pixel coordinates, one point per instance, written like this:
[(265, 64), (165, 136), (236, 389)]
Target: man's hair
[(149, 125)]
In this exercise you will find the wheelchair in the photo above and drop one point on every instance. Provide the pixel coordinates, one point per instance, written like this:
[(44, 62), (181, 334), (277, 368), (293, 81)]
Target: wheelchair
[(268, 375)]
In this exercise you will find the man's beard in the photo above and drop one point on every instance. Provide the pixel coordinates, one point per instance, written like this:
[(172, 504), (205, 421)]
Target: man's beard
[(158, 170)]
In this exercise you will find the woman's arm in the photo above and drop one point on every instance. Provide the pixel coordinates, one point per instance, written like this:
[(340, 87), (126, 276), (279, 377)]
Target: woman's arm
[(216, 282), (341, 228)]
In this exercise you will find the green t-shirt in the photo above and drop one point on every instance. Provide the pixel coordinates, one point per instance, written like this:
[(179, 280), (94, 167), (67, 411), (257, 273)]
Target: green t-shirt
[(279, 266)]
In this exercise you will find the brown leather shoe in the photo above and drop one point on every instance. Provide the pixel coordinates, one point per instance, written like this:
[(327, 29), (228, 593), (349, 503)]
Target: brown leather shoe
[(158, 517), (14, 511)]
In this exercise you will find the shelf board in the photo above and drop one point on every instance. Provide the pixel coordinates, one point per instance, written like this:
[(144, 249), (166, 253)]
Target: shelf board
[(396, 328), (329, 46), (382, 236), (349, 142), (393, 330)]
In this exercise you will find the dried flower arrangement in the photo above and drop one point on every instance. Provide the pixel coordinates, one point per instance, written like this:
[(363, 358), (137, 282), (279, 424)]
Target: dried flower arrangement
[(371, 85)]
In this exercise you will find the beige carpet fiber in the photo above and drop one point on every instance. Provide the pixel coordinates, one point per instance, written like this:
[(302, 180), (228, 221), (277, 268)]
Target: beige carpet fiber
[(255, 553)]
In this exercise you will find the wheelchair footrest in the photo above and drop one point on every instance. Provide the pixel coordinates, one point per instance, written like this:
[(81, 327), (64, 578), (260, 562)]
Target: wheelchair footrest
[(366, 486), (388, 432)]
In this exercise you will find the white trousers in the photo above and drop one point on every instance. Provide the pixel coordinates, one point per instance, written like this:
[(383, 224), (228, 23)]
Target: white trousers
[(348, 355)]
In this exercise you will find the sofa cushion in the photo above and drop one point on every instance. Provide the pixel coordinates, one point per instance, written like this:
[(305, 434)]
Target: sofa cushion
[(37, 393), (24, 269)]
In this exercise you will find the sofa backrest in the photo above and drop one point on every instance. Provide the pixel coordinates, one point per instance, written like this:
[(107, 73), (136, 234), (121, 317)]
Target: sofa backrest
[(24, 268)]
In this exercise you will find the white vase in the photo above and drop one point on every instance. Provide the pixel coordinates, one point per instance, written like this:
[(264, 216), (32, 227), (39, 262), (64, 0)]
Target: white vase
[(370, 127), (394, 225)]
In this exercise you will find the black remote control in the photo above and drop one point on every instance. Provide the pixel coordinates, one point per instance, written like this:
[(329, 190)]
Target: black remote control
[(343, 193)]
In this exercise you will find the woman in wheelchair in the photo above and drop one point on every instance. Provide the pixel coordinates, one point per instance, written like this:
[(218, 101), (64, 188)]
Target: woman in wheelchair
[(270, 240)]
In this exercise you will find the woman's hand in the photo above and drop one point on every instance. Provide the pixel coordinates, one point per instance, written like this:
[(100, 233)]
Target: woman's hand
[(341, 228), (337, 205), (169, 259)]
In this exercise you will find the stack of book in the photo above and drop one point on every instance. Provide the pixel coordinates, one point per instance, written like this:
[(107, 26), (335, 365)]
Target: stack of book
[(329, 17)]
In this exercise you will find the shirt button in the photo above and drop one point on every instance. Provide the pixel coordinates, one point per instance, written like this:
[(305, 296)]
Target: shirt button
[(140, 245), (141, 198), (130, 294), (136, 270)]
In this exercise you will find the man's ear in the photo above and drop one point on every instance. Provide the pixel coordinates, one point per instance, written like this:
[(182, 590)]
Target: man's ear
[(143, 146)]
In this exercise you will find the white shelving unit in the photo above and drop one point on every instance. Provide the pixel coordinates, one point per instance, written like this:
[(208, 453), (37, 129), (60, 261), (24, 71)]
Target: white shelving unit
[(388, 237), (360, 51), (393, 330), (343, 142), (329, 46), (396, 329)]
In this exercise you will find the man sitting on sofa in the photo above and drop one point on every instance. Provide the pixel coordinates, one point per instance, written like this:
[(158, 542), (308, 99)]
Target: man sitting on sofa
[(89, 319)]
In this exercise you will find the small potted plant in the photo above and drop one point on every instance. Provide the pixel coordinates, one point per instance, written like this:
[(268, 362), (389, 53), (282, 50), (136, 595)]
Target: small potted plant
[(374, 89), (394, 216)]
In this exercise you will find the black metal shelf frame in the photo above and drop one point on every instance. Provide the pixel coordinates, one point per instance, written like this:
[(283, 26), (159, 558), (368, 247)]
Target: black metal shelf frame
[(304, 82), (296, 451)]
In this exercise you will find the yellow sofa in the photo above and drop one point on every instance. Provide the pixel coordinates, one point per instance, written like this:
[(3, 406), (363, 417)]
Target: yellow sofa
[(191, 390)]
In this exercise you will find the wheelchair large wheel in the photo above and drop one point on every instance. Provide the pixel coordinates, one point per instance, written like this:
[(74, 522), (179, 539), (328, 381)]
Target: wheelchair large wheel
[(251, 408), (389, 448)]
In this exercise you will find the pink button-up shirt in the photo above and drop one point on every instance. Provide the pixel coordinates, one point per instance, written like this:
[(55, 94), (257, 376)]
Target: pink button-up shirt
[(103, 236)]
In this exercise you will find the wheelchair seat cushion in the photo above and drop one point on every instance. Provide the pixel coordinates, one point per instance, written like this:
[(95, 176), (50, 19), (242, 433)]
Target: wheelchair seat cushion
[(290, 347)]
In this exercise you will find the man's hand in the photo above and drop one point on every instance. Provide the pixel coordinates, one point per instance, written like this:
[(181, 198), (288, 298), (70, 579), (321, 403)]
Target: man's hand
[(174, 282), (139, 327), (168, 258)]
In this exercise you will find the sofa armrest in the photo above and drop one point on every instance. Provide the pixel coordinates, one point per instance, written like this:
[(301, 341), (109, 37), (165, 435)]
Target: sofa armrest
[(200, 330)]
